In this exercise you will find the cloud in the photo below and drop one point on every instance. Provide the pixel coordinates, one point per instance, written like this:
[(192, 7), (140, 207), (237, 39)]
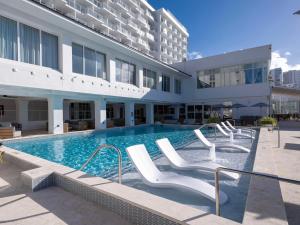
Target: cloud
[(194, 55), (288, 53), (279, 61)]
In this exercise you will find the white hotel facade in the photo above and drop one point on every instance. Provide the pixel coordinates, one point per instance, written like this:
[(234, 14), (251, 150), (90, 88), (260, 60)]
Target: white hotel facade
[(56, 70)]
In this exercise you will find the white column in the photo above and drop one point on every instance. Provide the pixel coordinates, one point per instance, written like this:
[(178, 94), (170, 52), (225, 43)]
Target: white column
[(65, 56), (22, 112), (139, 77), (150, 113), (129, 114), (55, 115), (110, 68), (100, 114), (159, 81)]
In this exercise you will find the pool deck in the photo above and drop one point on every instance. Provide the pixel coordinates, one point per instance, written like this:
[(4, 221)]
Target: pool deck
[(53, 205), (268, 202)]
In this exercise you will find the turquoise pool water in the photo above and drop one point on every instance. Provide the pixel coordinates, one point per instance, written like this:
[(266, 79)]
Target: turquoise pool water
[(74, 149)]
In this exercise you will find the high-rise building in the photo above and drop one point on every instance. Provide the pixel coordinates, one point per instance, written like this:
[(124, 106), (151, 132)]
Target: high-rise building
[(277, 76), (291, 78), (132, 22)]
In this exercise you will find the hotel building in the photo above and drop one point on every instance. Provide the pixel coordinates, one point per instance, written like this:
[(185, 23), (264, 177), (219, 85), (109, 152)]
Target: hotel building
[(132, 22), (59, 72)]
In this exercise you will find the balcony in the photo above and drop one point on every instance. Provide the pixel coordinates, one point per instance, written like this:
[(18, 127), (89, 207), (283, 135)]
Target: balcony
[(149, 15), (105, 8), (132, 25), (150, 37), (121, 5), (91, 15)]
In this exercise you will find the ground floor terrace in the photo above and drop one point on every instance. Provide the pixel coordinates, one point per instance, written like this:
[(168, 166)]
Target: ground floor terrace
[(57, 114)]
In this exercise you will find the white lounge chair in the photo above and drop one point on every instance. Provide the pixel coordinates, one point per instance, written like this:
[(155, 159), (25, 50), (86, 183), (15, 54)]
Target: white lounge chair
[(208, 144), (236, 130), (177, 162), (155, 178), (230, 134)]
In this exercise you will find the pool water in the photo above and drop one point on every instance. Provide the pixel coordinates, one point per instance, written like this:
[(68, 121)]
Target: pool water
[(74, 149)]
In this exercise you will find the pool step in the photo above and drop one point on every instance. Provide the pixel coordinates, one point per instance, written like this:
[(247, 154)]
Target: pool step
[(37, 179)]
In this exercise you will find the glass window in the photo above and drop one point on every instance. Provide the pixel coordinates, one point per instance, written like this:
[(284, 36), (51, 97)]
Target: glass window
[(29, 44), (101, 65), (37, 110), (177, 86), (258, 75), (49, 50), (125, 72), (77, 58), (80, 111), (90, 62), (8, 39), (248, 76), (149, 78), (165, 83)]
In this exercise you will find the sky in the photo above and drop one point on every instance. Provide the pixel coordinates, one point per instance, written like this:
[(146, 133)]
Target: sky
[(218, 26)]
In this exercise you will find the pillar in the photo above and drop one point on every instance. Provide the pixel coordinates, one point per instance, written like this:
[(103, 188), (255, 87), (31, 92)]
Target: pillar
[(22, 112), (65, 55), (55, 115), (100, 114), (110, 68), (129, 114), (139, 77), (150, 113)]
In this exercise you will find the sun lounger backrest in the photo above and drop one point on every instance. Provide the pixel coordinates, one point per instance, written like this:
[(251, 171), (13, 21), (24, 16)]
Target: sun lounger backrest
[(221, 130), (225, 127), (143, 162), (230, 125), (201, 137), (166, 147)]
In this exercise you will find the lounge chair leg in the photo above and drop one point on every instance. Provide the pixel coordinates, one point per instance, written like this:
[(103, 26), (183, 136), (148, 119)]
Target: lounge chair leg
[(239, 131), (212, 152), (231, 137)]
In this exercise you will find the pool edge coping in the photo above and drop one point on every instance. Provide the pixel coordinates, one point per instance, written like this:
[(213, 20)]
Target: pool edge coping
[(168, 209)]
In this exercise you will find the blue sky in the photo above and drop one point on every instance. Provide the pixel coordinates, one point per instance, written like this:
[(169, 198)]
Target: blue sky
[(218, 26)]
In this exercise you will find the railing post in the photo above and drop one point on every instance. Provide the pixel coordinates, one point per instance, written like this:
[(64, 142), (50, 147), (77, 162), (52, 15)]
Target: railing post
[(217, 190), (215, 133), (278, 136)]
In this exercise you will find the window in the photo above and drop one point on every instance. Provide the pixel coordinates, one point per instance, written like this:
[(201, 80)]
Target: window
[(212, 80), (80, 111), (90, 62), (258, 75), (77, 58), (125, 72), (29, 44), (100, 65), (165, 83), (49, 50), (149, 79), (8, 39), (177, 86), (37, 110)]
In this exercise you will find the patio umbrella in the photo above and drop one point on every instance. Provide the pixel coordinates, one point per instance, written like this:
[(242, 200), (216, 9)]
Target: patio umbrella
[(238, 105), (261, 104)]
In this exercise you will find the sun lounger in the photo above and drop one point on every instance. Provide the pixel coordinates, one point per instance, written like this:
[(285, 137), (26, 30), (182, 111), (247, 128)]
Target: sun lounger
[(208, 144), (234, 129), (177, 162), (155, 178), (230, 134)]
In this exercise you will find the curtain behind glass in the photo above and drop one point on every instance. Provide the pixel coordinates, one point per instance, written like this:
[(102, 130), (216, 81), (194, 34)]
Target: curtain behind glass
[(29, 44), (100, 65), (77, 58), (49, 50), (90, 62), (8, 39)]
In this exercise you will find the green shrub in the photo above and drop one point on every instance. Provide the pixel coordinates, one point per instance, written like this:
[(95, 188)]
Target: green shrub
[(268, 121), (213, 119)]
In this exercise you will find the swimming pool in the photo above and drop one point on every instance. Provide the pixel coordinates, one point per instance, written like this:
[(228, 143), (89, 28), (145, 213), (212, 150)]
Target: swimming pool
[(74, 149)]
